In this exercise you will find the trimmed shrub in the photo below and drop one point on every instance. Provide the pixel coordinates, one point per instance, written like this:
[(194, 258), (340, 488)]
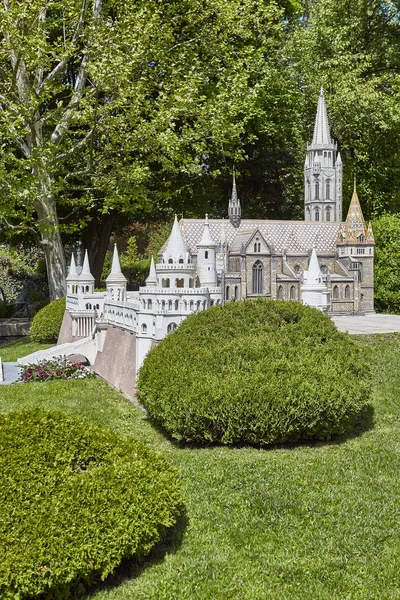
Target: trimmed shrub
[(257, 371), (75, 499), (47, 322)]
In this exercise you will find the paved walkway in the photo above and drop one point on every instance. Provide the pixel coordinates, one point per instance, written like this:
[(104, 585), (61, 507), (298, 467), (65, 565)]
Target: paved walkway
[(367, 323), (11, 372)]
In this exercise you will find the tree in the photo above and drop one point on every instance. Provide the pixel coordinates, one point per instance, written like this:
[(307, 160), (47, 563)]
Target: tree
[(352, 49), (387, 263), (104, 102)]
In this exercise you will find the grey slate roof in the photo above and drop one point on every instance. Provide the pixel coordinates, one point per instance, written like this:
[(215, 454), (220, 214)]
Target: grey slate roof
[(296, 237)]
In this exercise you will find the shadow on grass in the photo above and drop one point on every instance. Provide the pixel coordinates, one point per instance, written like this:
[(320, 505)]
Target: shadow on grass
[(133, 567), (363, 422)]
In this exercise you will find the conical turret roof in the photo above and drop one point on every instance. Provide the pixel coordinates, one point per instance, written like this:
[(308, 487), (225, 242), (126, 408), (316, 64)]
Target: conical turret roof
[(314, 276), (72, 273), (85, 273), (176, 248), (206, 239), (116, 275), (151, 280), (322, 136)]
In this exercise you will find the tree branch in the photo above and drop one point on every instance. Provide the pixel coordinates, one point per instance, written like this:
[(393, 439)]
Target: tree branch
[(62, 127)]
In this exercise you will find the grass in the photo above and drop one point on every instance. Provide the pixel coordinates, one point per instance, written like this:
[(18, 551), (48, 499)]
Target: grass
[(318, 521), (14, 350)]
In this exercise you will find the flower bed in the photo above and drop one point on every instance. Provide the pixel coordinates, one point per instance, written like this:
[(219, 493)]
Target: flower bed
[(57, 368)]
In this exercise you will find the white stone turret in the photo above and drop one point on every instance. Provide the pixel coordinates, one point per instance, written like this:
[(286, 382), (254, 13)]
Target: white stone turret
[(206, 257), (234, 209), (116, 281), (176, 247), (151, 280), (322, 172), (72, 278), (314, 291), (86, 279)]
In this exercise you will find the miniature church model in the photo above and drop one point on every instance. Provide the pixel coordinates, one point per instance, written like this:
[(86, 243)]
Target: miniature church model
[(321, 261)]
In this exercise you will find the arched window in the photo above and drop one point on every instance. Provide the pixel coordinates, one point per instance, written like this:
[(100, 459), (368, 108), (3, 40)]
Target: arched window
[(144, 328), (227, 293), (211, 302), (257, 286), (170, 261), (347, 291), (88, 306), (317, 190), (206, 254), (328, 213), (171, 327), (255, 247), (317, 214), (169, 304), (236, 292), (163, 304), (181, 261), (259, 247), (176, 304), (150, 304), (179, 283), (191, 305), (335, 292), (328, 190), (280, 293), (165, 283), (361, 238), (293, 293)]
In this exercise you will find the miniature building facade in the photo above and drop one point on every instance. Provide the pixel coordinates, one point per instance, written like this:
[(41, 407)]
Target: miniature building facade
[(321, 261)]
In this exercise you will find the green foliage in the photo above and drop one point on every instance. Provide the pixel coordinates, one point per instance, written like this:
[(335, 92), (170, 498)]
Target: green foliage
[(255, 371), (16, 267), (47, 322), (75, 500), (387, 263)]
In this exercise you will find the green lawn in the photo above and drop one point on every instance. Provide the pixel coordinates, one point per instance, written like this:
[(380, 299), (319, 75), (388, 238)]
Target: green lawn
[(318, 521), (14, 350)]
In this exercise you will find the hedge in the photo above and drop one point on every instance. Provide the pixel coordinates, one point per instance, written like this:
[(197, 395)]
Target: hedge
[(257, 371), (75, 499), (47, 322)]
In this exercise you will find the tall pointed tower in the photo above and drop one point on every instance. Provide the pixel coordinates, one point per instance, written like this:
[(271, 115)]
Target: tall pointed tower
[(322, 172), (234, 209)]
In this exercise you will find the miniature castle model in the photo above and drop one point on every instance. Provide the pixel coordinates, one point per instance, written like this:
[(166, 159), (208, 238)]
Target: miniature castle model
[(321, 261)]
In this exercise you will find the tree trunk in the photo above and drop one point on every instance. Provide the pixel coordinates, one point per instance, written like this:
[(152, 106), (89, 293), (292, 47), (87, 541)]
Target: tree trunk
[(51, 240), (96, 239)]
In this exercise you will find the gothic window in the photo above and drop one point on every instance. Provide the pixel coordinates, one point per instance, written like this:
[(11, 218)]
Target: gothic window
[(171, 327), (144, 328), (176, 304), (317, 214), (227, 293), (163, 305), (150, 305), (361, 238), (293, 293), (280, 293), (257, 278), (328, 190), (88, 306), (169, 304), (317, 190), (191, 305), (170, 261), (255, 247), (259, 247), (328, 213), (206, 254), (181, 261), (87, 288), (347, 291), (236, 292), (336, 293)]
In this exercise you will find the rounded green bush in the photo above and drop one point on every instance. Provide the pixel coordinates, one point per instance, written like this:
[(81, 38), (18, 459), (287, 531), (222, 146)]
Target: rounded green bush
[(257, 371), (75, 499), (47, 322)]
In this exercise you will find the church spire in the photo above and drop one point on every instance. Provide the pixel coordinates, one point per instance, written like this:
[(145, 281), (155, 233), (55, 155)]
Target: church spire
[(322, 135), (234, 209), (322, 172)]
